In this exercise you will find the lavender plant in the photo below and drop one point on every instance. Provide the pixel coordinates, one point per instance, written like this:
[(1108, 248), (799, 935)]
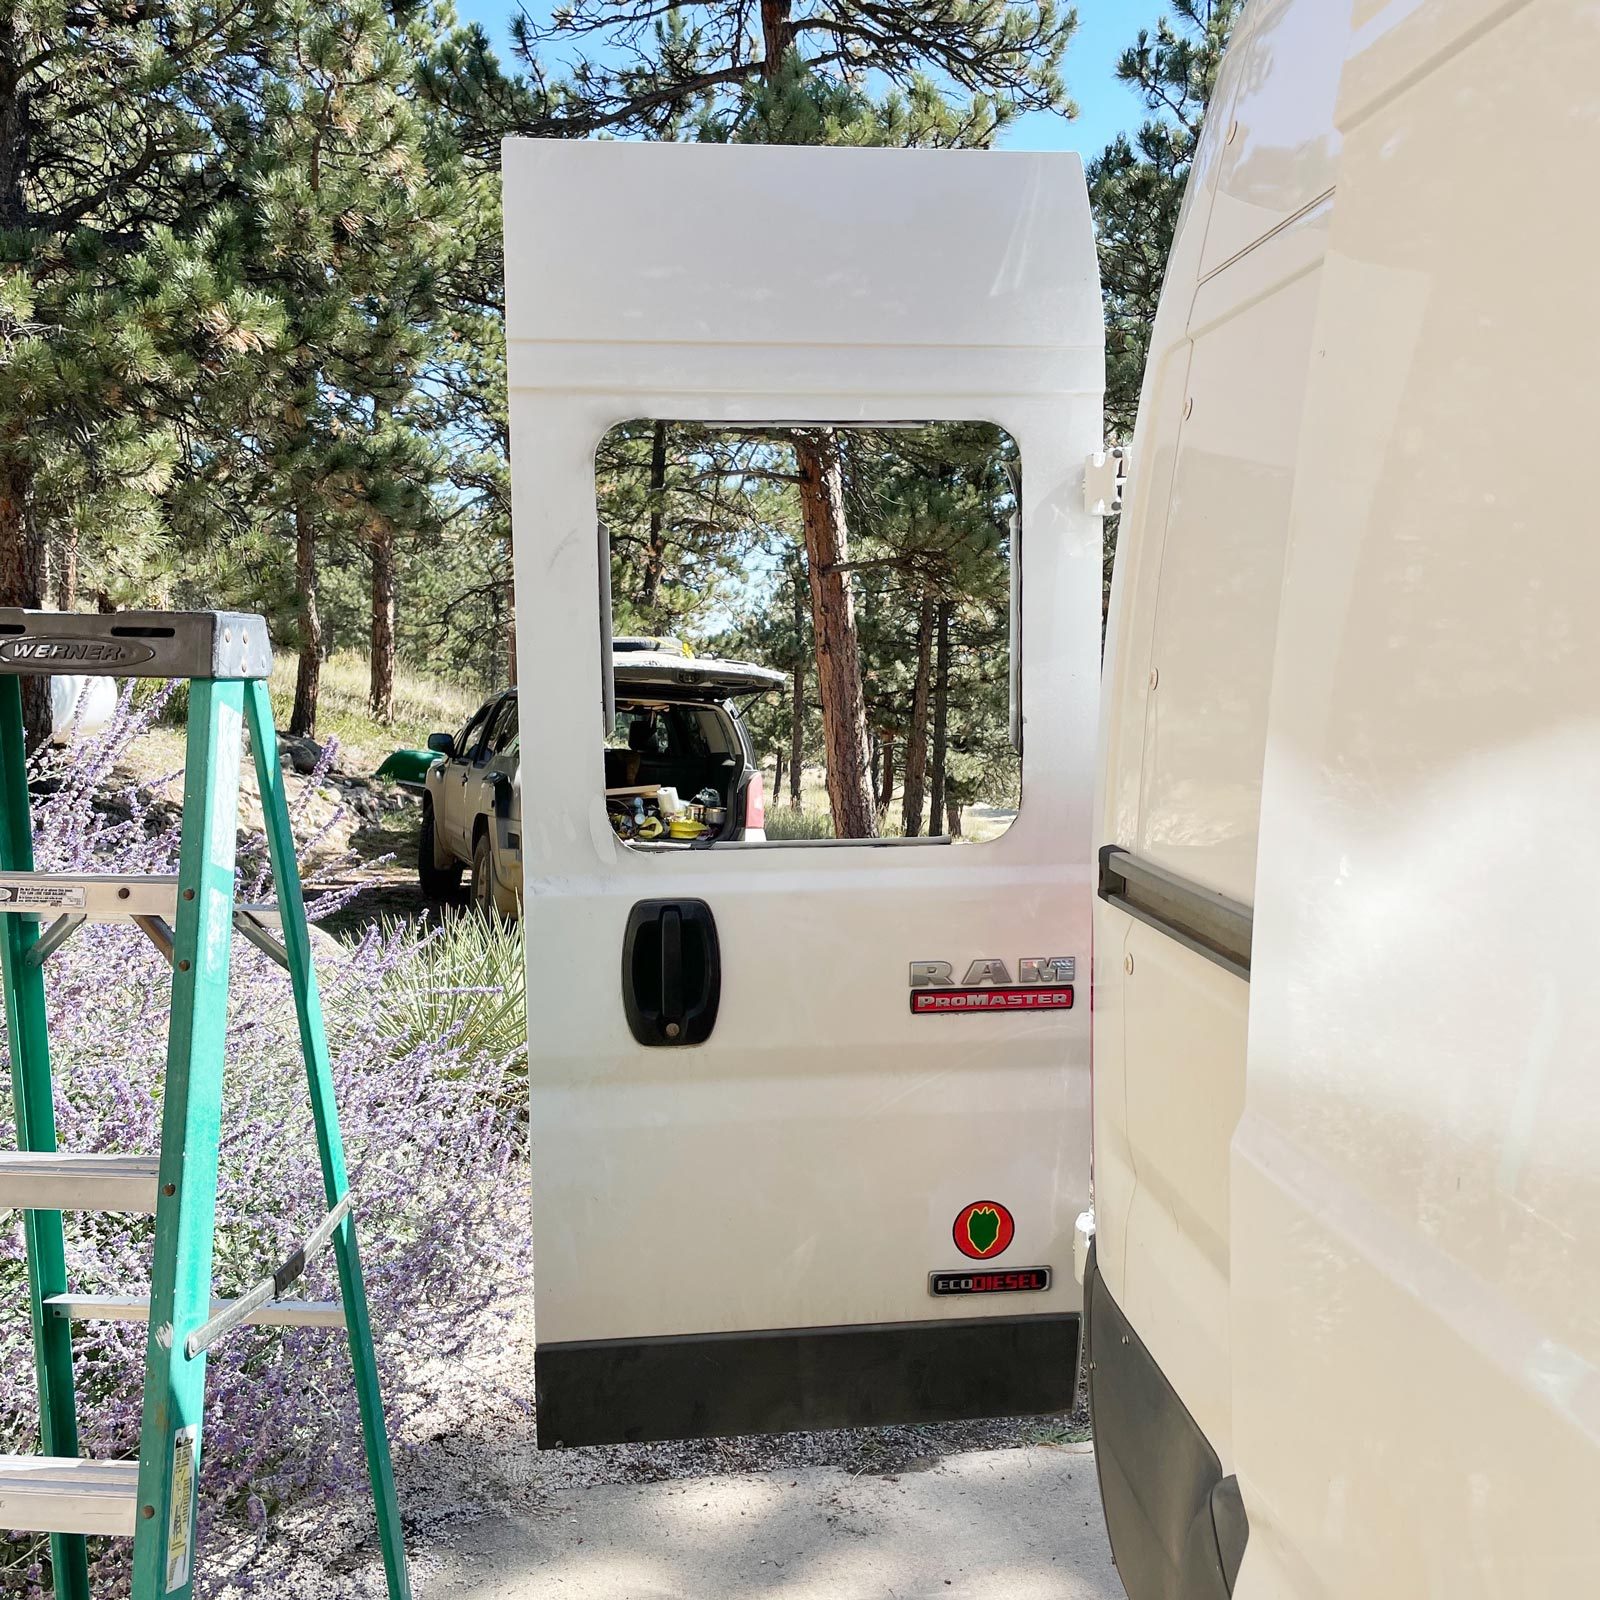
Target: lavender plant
[(438, 1166)]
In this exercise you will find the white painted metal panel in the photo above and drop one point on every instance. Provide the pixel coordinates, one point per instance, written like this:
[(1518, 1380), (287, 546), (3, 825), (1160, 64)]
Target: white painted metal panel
[(1189, 658), (1278, 151), (804, 1167), (1416, 1197)]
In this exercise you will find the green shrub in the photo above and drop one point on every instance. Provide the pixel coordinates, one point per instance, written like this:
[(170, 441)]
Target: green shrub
[(464, 987)]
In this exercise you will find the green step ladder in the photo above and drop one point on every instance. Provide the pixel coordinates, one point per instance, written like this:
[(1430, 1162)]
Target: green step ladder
[(191, 918)]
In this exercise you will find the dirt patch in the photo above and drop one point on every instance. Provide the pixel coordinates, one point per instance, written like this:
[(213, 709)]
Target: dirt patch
[(358, 834)]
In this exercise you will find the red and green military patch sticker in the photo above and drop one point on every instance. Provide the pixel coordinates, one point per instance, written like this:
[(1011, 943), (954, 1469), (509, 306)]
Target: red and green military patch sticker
[(983, 1230)]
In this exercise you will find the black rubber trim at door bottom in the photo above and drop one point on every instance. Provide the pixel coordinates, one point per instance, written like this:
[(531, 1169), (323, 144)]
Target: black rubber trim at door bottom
[(701, 1386), (1177, 1526)]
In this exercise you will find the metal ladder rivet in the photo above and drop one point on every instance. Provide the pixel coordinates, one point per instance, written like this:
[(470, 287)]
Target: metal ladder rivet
[(169, 1189), (183, 966), (147, 1512), (124, 892), (188, 894)]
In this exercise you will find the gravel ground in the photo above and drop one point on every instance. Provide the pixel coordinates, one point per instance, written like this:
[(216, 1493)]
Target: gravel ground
[(456, 1471)]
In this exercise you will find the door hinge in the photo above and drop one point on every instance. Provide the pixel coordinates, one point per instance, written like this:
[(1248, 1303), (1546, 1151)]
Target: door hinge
[(1105, 476)]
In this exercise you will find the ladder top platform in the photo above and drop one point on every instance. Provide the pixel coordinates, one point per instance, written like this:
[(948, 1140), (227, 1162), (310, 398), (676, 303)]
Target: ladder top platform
[(134, 644)]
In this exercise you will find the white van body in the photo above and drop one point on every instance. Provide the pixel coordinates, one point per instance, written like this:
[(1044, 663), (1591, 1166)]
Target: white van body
[(1345, 1286), (738, 1234), (1346, 1276)]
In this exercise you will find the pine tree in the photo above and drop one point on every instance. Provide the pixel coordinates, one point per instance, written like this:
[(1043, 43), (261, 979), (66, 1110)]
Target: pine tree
[(122, 318), (470, 104), (350, 230), (955, 71), (1136, 185)]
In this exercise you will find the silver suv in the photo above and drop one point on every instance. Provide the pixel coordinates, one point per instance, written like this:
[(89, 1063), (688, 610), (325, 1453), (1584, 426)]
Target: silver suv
[(677, 734)]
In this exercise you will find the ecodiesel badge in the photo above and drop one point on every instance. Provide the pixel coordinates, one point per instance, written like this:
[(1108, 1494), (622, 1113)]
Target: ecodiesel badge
[(1018, 1280)]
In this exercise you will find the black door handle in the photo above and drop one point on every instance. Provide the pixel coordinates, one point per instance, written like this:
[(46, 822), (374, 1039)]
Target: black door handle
[(671, 972)]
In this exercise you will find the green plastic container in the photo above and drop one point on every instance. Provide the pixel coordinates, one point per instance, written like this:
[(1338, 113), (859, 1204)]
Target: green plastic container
[(408, 766)]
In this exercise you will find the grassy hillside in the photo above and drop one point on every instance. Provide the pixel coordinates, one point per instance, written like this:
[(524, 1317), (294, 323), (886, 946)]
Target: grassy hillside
[(423, 704)]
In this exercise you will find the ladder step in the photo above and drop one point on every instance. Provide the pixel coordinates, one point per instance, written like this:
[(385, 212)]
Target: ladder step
[(57, 1494), (101, 896), (65, 1182), (136, 1308)]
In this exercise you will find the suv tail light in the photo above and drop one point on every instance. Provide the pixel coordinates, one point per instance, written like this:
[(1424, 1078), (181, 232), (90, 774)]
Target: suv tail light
[(755, 805)]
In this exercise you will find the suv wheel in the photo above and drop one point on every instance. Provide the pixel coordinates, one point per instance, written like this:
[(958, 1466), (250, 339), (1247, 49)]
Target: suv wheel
[(483, 874), (438, 883)]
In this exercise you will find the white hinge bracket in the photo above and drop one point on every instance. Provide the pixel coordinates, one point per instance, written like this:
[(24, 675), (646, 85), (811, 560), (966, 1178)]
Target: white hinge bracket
[(1105, 476)]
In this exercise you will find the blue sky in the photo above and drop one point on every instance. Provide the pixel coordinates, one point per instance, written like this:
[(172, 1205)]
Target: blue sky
[(1105, 29)]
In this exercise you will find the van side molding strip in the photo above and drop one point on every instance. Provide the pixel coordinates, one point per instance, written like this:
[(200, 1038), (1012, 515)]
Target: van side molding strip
[(1205, 921)]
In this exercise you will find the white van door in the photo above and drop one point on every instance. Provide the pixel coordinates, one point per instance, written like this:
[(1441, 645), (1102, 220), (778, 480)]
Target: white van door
[(843, 1191)]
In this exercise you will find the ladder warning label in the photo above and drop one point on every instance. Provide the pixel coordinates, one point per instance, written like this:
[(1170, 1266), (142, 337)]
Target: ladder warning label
[(32, 896), (180, 1536)]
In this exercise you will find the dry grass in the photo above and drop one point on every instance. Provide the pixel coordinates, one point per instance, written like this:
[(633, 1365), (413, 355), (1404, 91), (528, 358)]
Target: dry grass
[(422, 705), (979, 823)]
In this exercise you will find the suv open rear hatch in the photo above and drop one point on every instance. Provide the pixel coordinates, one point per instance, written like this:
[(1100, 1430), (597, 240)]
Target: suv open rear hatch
[(688, 677)]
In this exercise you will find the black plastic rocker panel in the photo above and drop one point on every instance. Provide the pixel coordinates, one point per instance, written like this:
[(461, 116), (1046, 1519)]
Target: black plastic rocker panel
[(1177, 1525), (716, 1385)]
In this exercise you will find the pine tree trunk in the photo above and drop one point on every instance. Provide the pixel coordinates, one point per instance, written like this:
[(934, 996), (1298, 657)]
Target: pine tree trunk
[(381, 697), (777, 773), (22, 569), (941, 715), (308, 674), (655, 550), (22, 555), (833, 626), (68, 590), (797, 703), (777, 34), (886, 788), (917, 744), (953, 818)]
